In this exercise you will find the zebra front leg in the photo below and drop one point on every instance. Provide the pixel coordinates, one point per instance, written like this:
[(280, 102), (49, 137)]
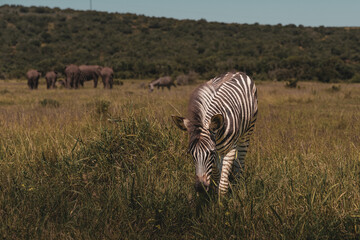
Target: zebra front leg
[(227, 164), (215, 175)]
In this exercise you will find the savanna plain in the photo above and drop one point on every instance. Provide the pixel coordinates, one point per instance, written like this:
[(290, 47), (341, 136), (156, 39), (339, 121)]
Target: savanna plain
[(110, 164)]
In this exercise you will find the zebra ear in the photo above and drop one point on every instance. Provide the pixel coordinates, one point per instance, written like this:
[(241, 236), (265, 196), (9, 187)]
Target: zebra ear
[(216, 122), (180, 122)]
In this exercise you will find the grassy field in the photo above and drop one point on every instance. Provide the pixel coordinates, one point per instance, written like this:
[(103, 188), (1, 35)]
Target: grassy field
[(100, 164)]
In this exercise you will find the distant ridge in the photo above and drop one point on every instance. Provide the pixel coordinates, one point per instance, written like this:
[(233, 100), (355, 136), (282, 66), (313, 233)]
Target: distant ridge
[(137, 46)]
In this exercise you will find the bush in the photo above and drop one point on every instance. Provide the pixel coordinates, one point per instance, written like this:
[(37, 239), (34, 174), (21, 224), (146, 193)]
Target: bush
[(188, 79), (355, 78), (118, 82), (24, 10), (182, 80), (335, 88), (4, 91), (99, 106), (49, 103), (292, 83)]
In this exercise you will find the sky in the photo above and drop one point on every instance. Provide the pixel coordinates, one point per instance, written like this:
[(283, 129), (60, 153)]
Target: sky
[(336, 13)]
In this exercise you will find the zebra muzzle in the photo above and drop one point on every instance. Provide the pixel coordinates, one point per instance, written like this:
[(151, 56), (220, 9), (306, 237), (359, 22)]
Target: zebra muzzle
[(202, 184)]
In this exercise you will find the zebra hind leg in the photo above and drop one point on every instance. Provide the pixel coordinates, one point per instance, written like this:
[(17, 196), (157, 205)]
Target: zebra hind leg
[(239, 162)]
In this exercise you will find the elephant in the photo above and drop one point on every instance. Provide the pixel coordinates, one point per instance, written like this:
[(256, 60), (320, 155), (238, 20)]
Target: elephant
[(51, 78), (162, 82), (89, 72), (107, 75), (33, 78), (72, 73)]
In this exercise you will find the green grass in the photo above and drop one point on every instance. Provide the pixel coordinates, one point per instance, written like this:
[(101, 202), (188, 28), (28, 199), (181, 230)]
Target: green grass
[(100, 164)]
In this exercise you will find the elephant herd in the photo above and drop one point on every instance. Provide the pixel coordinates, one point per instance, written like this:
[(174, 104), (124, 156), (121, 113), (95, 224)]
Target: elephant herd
[(74, 76)]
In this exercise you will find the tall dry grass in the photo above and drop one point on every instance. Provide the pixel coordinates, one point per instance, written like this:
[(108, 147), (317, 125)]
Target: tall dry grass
[(97, 164)]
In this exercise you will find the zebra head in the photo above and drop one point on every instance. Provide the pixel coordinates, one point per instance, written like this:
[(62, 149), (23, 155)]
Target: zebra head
[(202, 147), (151, 87)]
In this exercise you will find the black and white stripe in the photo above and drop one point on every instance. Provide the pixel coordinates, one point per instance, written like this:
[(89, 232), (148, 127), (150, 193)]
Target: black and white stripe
[(219, 144)]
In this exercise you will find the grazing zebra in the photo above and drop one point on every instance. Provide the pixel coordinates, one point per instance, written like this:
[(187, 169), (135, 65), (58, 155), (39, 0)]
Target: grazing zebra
[(221, 117), (162, 82)]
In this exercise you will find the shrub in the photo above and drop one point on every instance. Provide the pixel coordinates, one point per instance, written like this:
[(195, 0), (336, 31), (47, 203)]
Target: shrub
[(118, 82), (355, 78), (182, 80), (188, 79), (335, 88), (292, 83), (49, 103), (99, 106), (24, 9), (4, 91)]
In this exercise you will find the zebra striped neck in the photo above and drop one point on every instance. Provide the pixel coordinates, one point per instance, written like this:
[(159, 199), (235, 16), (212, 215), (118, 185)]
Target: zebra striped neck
[(199, 104)]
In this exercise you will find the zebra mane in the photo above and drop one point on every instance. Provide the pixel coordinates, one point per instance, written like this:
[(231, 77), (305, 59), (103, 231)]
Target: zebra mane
[(199, 103), (218, 81)]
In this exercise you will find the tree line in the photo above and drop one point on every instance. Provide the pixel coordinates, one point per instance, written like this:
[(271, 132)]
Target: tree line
[(137, 46)]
